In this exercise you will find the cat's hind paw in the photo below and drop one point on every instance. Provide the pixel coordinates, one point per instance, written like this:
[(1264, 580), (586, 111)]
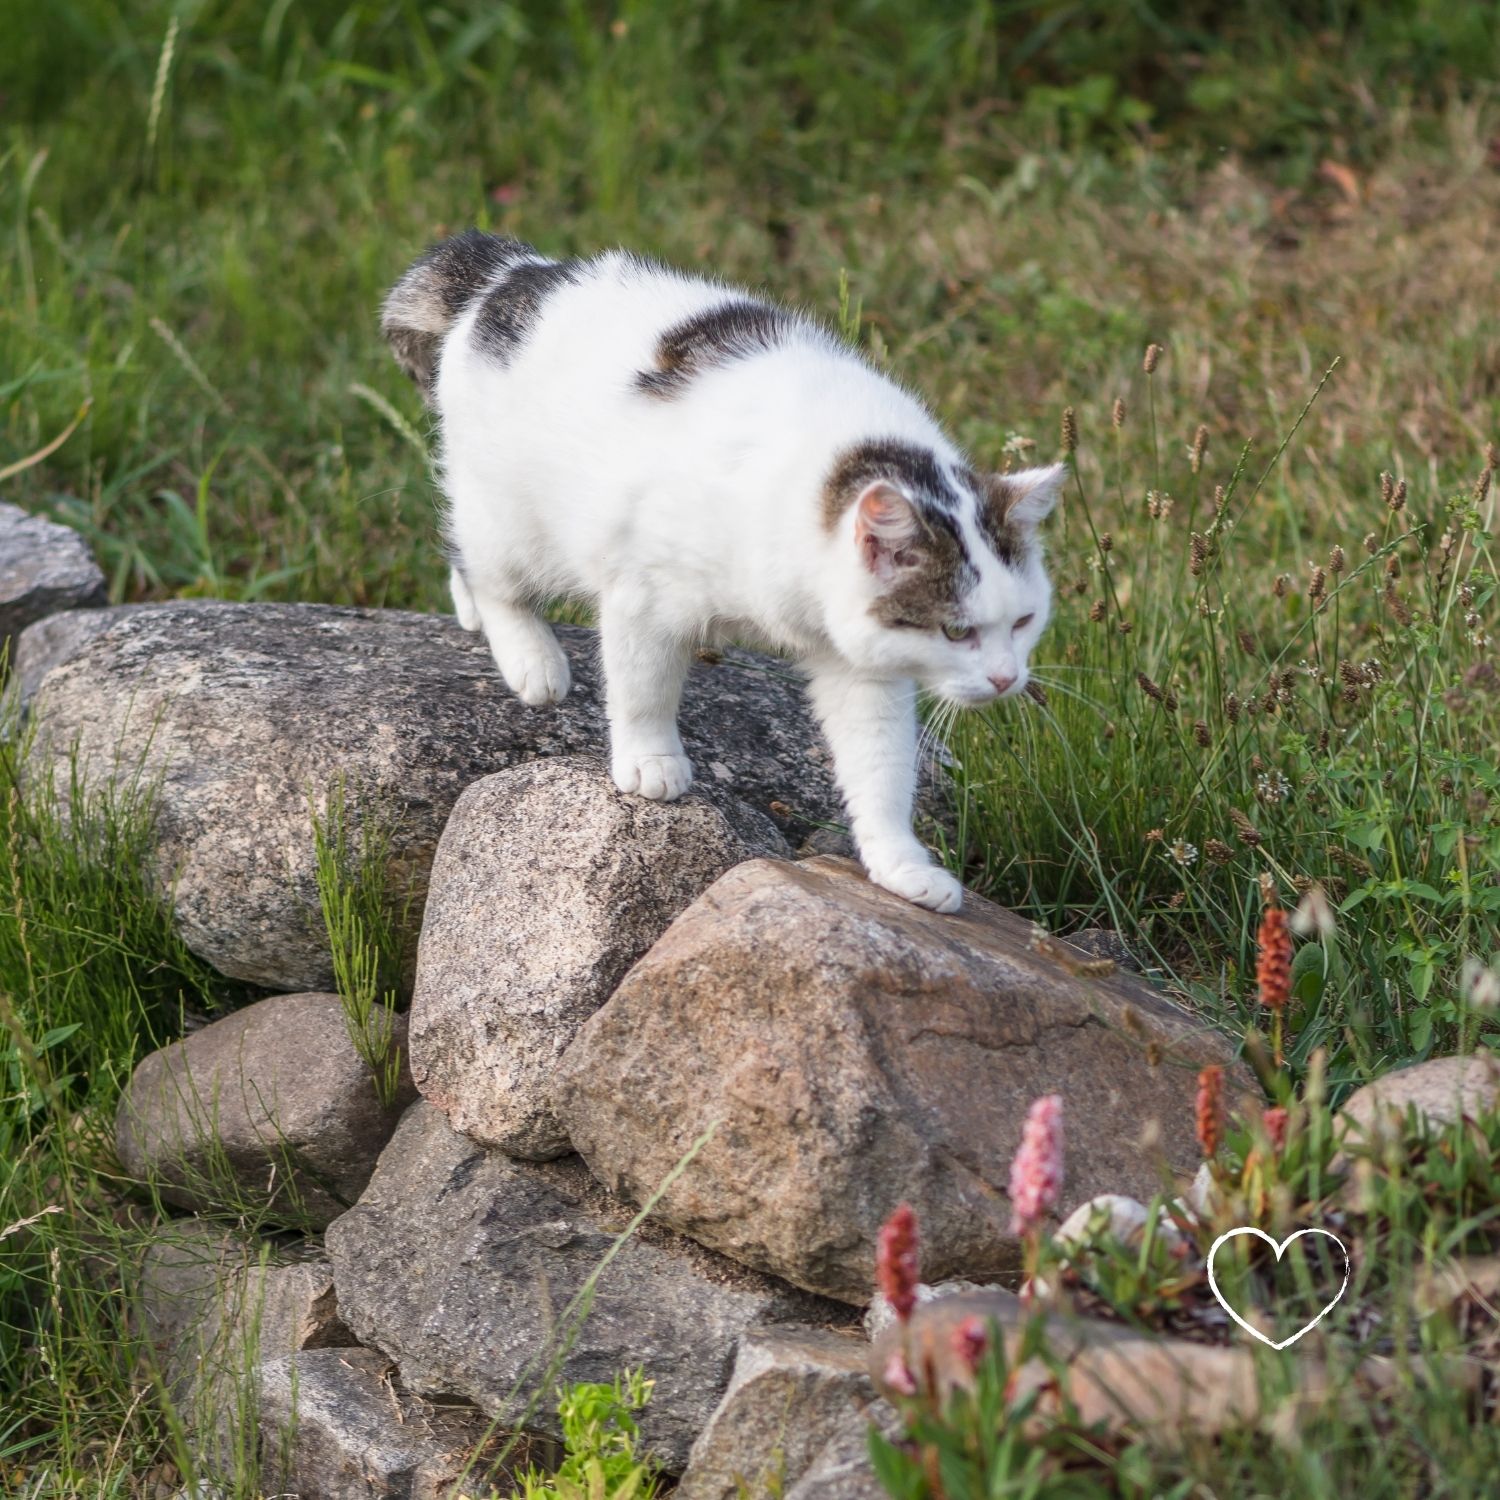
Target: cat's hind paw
[(920, 882), (663, 778)]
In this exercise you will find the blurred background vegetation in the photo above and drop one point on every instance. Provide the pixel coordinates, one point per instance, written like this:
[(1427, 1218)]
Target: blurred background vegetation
[(205, 201)]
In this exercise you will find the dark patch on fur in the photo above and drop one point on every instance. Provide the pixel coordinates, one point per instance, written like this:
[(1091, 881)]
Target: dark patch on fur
[(416, 353), (514, 304), (912, 469), (710, 339), (464, 265), (435, 289), (926, 596), (1006, 539)]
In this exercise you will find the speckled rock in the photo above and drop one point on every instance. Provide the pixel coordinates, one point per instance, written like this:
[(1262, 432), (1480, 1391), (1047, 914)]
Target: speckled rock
[(858, 1051), (1440, 1090), (461, 1263), (879, 1315), (270, 1106), (212, 1304), (51, 642), (548, 884), (44, 568), (794, 1422), (338, 1425), (245, 711)]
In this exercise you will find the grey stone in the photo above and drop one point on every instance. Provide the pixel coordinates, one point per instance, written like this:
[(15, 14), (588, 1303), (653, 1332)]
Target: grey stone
[(461, 1263), (246, 711), (44, 569), (857, 1052), (548, 884), (51, 642), (212, 1301), (270, 1107), (212, 1305), (879, 1315), (795, 1421), (336, 1424), (1105, 942)]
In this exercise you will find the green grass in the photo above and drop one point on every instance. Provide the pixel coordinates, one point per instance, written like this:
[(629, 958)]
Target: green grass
[(1220, 710), (202, 203), (91, 976), (368, 926)]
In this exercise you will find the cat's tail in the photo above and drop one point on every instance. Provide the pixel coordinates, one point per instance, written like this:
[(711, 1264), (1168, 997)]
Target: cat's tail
[(435, 289)]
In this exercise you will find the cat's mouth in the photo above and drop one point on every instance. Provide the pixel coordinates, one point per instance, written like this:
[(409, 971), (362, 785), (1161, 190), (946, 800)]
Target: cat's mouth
[(974, 699)]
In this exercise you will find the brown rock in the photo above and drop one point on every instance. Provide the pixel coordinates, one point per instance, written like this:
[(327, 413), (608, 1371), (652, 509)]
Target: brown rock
[(794, 1422), (548, 884), (1442, 1089), (270, 1108), (857, 1051), (1132, 1382), (1442, 1284)]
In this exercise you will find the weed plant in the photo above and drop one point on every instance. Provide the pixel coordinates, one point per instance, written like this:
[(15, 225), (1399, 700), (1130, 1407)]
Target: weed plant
[(1212, 715), (368, 928)]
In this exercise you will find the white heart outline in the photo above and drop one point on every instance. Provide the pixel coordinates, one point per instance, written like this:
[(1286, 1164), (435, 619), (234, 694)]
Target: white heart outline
[(1280, 1250)]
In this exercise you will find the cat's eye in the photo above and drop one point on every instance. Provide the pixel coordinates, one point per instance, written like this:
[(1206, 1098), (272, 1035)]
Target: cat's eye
[(1023, 622), (959, 632)]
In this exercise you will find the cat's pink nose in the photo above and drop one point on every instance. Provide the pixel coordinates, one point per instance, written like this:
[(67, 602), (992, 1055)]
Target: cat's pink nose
[(1003, 684)]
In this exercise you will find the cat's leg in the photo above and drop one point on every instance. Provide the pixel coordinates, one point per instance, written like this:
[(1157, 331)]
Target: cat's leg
[(463, 601), (523, 645), (871, 727), (645, 666)]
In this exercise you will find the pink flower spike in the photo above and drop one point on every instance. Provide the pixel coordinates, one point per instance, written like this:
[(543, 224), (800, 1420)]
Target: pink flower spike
[(896, 1261), (969, 1342), (898, 1376), (1036, 1175)]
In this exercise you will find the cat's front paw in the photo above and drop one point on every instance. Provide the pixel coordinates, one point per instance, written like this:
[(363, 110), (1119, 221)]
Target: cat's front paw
[(919, 881), (541, 678), (663, 778)]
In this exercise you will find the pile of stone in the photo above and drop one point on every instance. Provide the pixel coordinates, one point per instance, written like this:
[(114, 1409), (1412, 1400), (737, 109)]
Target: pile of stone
[(616, 1005)]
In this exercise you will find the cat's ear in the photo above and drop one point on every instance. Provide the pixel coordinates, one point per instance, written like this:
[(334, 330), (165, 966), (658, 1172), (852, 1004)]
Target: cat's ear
[(886, 529), (1026, 498)]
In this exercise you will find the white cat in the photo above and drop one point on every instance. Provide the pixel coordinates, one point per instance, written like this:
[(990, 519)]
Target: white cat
[(703, 465)]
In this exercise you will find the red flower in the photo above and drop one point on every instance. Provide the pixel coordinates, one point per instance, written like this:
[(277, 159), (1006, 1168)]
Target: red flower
[(1273, 971), (896, 1261), (1275, 1122), (1210, 1110)]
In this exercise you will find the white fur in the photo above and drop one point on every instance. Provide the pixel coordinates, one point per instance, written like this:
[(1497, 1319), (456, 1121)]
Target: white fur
[(699, 518)]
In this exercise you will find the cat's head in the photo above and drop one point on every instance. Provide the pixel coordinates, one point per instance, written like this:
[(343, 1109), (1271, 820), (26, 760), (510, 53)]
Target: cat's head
[(941, 576)]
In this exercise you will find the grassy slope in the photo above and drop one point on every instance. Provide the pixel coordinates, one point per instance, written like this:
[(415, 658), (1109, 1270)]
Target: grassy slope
[(199, 219)]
